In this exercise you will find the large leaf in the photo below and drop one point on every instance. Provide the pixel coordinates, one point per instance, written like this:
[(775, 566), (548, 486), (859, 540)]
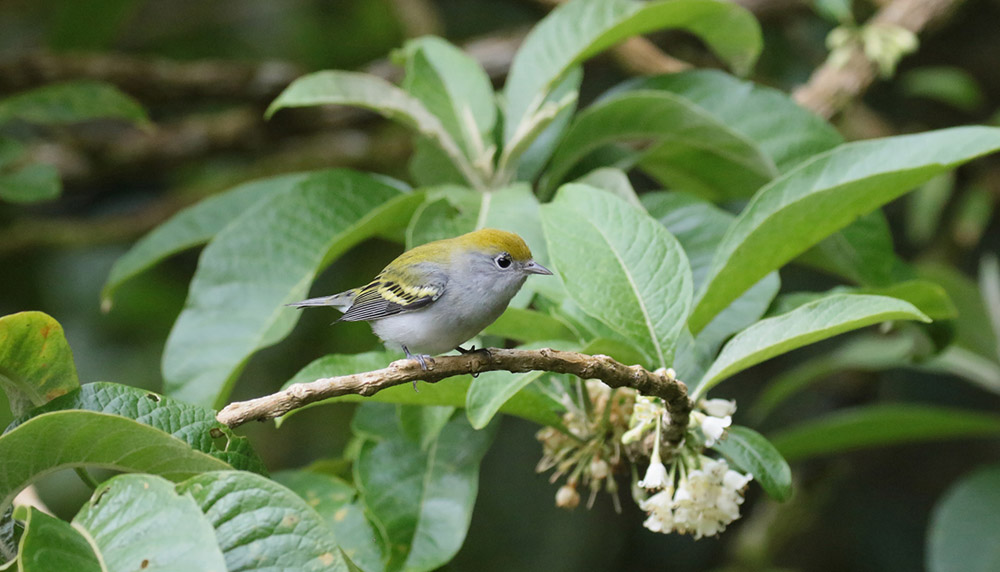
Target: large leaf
[(421, 499), (862, 252), (72, 102), (964, 527), (378, 95), (261, 526), (688, 148), (879, 426), (193, 226), (810, 323), (49, 544), (824, 195), (529, 326), (532, 406), (577, 30), (455, 89), (337, 503), (783, 130), (140, 522), (750, 452), (36, 362), (643, 288), (700, 226), (263, 260), (85, 438), (192, 424)]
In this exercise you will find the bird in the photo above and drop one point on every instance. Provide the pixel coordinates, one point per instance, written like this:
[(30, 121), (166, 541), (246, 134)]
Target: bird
[(436, 296)]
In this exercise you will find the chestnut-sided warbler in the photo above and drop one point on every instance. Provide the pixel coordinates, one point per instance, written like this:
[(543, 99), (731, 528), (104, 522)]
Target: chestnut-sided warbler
[(437, 296)]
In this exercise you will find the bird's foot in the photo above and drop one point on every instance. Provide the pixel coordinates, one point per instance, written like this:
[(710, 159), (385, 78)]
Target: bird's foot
[(421, 359), (473, 350)]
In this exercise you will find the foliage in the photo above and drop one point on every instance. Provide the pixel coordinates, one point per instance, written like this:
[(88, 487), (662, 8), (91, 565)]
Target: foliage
[(683, 276)]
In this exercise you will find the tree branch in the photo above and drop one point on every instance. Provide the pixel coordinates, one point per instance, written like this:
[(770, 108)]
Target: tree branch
[(831, 88), (659, 383)]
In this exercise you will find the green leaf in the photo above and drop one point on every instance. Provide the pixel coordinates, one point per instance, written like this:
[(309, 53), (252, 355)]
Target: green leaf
[(529, 326), (261, 525), (700, 226), (880, 426), (376, 94), (863, 352), (925, 207), (973, 330), (491, 389), (450, 392), (72, 102), (824, 195), (964, 525), (783, 130), (815, 321), (455, 89), (36, 362), (192, 424), (262, 260), (862, 252), (30, 184), (194, 226), (644, 286), (421, 500), (687, 148), (752, 453), (951, 86), (615, 181), (140, 522), (577, 30), (49, 544), (337, 504), (88, 439), (531, 146)]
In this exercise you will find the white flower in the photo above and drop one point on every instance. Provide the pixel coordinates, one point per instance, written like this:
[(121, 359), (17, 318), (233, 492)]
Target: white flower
[(656, 476), (705, 502), (714, 427), (718, 407), (645, 412), (660, 509)]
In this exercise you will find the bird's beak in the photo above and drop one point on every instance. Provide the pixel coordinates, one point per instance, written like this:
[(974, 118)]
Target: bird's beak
[(533, 267)]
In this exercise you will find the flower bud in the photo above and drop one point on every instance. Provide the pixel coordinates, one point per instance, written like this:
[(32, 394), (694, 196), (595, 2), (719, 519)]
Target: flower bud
[(599, 468), (567, 497)]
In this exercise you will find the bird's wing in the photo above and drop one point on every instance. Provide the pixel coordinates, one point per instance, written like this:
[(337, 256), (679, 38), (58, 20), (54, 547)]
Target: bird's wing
[(394, 293)]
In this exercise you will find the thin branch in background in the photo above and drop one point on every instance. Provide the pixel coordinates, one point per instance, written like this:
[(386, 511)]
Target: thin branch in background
[(660, 383), (832, 87)]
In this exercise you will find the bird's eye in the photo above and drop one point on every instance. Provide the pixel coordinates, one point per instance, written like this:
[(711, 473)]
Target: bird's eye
[(502, 261)]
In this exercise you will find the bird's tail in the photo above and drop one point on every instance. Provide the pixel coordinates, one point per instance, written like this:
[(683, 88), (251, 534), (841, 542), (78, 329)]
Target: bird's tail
[(340, 301)]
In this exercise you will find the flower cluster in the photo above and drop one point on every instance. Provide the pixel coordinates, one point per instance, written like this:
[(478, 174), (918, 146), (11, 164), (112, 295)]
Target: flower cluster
[(704, 501), (690, 493), (696, 495), (589, 451)]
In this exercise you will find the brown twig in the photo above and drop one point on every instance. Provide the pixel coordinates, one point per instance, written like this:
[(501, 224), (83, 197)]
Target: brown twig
[(832, 87), (659, 383)]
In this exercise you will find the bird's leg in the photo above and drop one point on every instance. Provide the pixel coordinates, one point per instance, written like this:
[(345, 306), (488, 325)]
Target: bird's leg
[(420, 360)]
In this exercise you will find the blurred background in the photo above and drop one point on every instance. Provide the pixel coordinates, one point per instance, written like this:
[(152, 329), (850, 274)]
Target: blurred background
[(205, 72)]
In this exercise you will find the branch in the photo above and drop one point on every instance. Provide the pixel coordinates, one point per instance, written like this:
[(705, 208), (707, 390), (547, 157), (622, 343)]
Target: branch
[(831, 88), (659, 383)]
